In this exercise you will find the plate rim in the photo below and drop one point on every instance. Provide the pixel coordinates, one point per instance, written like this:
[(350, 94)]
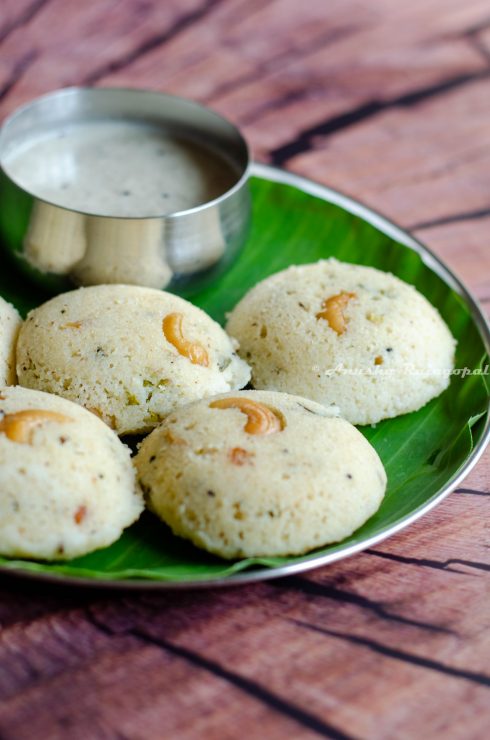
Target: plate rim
[(263, 573)]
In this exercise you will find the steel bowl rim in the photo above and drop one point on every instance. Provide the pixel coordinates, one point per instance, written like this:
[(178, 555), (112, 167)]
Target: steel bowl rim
[(74, 89)]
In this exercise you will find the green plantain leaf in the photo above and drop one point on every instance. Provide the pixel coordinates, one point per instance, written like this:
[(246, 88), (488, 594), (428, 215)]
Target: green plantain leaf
[(421, 451)]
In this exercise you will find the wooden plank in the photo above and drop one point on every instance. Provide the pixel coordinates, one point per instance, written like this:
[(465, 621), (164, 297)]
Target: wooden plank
[(428, 167), (72, 39), (463, 246), (15, 14)]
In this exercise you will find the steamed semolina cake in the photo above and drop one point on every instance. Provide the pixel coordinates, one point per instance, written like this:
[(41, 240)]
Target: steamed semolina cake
[(347, 335), (259, 474), (10, 323), (67, 484), (128, 354)]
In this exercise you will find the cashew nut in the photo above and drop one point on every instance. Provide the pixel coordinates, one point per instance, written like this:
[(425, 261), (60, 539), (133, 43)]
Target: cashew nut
[(261, 419), (333, 311), (19, 427), (172, 330)]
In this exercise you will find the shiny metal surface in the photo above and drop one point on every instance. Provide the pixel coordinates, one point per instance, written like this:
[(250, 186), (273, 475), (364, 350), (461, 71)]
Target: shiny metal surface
[(57, 246), (310, 562)]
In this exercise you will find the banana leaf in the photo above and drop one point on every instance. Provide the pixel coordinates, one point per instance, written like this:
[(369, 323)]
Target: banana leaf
[(421, 451)]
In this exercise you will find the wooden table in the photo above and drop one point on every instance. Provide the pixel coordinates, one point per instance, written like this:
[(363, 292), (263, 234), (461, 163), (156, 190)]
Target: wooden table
[(390, 102)]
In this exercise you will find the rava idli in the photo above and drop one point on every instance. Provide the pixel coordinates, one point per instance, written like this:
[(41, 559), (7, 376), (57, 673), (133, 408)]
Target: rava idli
[(10, 323), (67, 483), (259, 474), (128, 354), (347, 335)]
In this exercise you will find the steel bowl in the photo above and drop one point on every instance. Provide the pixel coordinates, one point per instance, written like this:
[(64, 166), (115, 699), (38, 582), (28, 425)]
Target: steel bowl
[(59, 246)]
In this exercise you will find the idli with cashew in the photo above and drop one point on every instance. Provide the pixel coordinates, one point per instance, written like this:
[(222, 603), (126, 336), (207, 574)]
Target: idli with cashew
[(345, 334), (127, 353), (67, 483), (255, 473)]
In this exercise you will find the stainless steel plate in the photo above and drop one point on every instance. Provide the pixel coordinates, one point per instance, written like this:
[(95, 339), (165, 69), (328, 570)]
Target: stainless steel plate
[(315, 561)]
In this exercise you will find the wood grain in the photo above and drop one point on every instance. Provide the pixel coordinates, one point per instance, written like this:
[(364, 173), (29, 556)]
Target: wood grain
[(389, 102)]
